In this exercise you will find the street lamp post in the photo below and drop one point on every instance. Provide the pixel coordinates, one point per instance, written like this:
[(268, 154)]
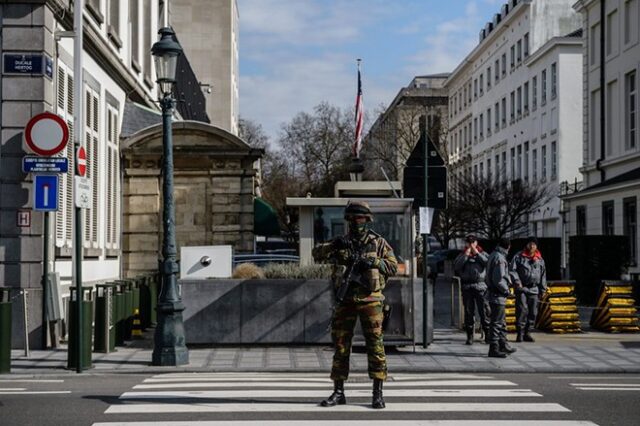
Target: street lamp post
[(169, 342)]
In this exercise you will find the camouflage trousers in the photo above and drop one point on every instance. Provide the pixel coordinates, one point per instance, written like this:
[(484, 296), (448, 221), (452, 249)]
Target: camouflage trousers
[(342, 326)]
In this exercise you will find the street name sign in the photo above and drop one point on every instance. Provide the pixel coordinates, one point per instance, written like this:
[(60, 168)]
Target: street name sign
[(32, 64), (45, 165), (82, 192), (45, 193), (46, 134)]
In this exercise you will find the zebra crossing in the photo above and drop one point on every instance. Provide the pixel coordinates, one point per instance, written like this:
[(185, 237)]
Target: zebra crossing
[(252, 399), (29, 387)]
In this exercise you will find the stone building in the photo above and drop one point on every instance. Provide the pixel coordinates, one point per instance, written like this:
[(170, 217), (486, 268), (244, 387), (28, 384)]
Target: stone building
[(606, 202), (208, 32), (396, 130), (214, 179)]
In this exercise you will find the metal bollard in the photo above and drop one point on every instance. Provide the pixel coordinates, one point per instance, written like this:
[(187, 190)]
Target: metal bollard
[(86, 298), (105, 336)]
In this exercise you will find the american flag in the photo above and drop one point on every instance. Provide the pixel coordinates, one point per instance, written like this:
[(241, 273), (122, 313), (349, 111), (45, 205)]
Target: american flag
[(359, 111)]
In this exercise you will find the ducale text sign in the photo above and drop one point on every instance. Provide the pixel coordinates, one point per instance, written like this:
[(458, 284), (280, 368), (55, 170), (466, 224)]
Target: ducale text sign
[(36, 64)]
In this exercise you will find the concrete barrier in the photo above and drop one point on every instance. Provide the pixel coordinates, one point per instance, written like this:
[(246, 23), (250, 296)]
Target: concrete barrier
[(275, 311)]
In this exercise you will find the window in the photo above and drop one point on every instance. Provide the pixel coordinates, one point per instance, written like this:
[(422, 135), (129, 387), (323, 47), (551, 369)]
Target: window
[(519, 164), (607, 218), (581, 220), (631, 116), (497, 121), (513, 56), (630, 21), (134, 35), (554, 80), (526, 45), (93, 7), (488, 121), (488, 78), (543, 163), (534, 93), (554, 160), (496, 70), (481, 126), (504, 64), (519, 51), (543, 87), (513, 106), (475, 89), (481, 84), (504, 112), (92, 146), (64, 108), (519, 97), (497, 166), (112, 228), (464, 95), (612, 33), (594, 44), (481, 170), (611, 111), (488, 168), (630, 224), (475, 129), (475, 171), (146, 43), (526, 97), (525, 164), (513, 163), (504, 163), (534, 165), (113, 26), (469, 93)]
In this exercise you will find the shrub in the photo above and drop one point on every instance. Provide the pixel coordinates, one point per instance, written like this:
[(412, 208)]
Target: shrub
[(295, 271), (248, 271)]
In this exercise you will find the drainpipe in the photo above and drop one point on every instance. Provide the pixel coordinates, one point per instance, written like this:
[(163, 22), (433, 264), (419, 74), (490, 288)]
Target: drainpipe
[(603, 123)]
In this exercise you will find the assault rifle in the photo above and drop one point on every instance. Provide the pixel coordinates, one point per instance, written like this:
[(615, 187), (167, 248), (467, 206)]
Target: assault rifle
[(352, 273)]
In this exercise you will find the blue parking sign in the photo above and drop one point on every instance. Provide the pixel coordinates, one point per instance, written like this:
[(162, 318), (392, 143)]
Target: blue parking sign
[(45, 193)]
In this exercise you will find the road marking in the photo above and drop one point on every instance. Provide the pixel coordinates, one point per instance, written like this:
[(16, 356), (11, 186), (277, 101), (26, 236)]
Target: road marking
[(243, 394), (504, 407), (237, 385), (12, 389), (357, 423), (32, 392), (30, 381), (608, 388), (613, 385)]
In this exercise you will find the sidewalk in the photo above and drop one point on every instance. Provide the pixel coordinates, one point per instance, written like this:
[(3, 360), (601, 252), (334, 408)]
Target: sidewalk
[(579, 353), (587, 352)]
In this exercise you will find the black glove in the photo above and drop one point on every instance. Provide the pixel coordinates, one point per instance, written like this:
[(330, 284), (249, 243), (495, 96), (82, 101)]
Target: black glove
[(366, 263), (340, 243)]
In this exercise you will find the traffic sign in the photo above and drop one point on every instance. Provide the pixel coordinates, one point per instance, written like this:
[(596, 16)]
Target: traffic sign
[(45, 165), (46, 134), (81, 161), (82, 191), (23, 218), (413, 186), (45, 193)]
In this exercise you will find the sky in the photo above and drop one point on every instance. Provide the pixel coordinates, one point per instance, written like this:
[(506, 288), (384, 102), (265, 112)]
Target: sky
[(295, 54)]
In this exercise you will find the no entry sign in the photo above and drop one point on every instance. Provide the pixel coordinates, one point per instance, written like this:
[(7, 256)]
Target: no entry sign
[(46, 134), (81, 161)]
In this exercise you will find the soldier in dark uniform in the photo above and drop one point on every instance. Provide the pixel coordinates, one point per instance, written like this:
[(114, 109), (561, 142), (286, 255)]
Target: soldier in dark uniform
[(498, 283), (372, 261)]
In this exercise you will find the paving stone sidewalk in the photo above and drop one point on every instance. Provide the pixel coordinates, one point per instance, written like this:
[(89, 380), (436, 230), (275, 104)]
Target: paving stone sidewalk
[(590, 352)]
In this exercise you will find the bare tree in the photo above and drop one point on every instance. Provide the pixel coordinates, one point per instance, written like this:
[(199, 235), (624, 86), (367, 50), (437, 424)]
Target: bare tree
[(252, 133), (496, 208)]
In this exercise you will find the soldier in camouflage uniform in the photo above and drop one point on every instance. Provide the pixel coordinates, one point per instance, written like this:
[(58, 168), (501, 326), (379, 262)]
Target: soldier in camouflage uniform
[(374, 262)]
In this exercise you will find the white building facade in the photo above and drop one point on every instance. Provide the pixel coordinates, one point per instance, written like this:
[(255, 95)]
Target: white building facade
[(607, 203), (515, 103)]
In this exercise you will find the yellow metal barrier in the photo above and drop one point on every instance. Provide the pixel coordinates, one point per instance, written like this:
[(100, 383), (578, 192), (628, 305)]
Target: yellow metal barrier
[(558, 311), (615, 311)]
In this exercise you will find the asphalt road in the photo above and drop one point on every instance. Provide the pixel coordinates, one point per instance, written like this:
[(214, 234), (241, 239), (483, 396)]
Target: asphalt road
[(270, 399)]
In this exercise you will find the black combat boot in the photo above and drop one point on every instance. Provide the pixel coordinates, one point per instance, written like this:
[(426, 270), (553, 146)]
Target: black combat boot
[(337, 397), (506, 348), (495, 352), (487, 336), (519, 336), (528, 337), (377, 401), (469, 337)]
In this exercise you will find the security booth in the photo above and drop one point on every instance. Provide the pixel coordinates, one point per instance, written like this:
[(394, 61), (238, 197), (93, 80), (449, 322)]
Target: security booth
[(321, 219)]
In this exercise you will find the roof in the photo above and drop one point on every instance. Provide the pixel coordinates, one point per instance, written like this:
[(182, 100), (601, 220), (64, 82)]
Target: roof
[(440, 75), (576, 33), (623, 178), (137, 117)]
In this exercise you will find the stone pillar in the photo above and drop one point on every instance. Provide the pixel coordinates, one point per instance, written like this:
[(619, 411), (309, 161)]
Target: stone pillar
[(27, 28)]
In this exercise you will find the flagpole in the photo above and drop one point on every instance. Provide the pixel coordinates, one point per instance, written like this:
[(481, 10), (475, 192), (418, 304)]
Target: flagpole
[(356, 169)]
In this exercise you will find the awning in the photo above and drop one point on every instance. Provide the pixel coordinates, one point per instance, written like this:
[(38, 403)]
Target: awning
[(265, 218)]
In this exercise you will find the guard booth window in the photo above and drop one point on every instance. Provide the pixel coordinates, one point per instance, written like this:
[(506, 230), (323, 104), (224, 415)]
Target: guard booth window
[(329, 223)]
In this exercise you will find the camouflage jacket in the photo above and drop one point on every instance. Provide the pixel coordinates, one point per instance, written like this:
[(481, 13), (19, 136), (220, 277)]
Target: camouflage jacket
[(378, 256)]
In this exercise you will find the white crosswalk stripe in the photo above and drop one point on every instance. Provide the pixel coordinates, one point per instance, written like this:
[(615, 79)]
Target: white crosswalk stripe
[(25, 387), (252, 399), (607, 386)]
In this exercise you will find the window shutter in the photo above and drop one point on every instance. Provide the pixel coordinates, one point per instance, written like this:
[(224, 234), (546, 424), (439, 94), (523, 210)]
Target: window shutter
[(92, 113), (64, 216)]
